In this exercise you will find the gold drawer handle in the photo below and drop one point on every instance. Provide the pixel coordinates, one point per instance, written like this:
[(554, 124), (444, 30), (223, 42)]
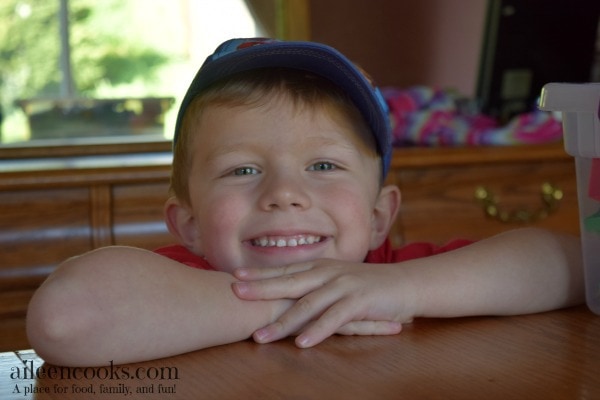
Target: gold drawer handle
[(551, 197)]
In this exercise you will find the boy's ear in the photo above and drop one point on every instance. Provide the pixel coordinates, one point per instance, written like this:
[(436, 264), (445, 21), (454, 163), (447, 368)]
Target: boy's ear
[(180, 222), (384, 214)]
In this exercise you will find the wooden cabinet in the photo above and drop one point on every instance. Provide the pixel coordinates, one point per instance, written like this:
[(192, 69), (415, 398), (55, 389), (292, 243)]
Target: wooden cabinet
[(530, 186), (51, 210)]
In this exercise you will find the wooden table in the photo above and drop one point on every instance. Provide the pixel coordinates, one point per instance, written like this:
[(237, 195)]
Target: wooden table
[(553, 355)]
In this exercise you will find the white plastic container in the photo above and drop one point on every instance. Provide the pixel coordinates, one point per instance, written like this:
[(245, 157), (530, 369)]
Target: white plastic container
[(580, 107)]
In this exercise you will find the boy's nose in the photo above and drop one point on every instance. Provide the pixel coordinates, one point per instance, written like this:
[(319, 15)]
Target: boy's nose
[(284, 192)]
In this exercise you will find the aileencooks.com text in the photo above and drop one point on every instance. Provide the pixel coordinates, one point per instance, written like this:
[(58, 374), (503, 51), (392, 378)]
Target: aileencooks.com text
[(110, 372)]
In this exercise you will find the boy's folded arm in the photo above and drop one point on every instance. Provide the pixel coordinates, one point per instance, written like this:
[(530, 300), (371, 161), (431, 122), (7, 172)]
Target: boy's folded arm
[(124, 305), (517, 272)]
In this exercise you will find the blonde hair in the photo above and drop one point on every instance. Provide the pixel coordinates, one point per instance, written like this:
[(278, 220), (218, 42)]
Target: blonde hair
[(254, 89)]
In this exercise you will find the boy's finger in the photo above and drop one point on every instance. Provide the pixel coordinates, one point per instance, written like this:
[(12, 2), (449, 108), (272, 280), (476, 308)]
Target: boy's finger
[(336, 316), (302, 316), (285, 326), (290, 286), (251, 274), (285, 287), (370, 328), (312, 337)]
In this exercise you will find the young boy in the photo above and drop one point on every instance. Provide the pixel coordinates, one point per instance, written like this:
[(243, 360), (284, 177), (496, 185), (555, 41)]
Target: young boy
[(280, 154)]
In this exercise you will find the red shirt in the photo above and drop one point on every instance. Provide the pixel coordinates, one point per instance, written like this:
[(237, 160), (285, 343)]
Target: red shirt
[(382, 255)]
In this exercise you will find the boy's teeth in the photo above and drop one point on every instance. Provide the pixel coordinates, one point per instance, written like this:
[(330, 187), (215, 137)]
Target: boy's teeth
[(283, 242)]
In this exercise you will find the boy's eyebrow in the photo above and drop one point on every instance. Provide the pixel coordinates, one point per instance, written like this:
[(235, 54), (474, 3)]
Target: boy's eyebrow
[(229, 149), (220, 152), (310, 141)]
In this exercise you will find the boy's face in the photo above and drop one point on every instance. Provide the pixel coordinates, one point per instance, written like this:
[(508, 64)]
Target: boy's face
[(279, 184)]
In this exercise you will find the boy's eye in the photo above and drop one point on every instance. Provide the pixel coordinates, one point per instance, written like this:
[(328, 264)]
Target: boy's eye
[(322, 166), (245, 171)]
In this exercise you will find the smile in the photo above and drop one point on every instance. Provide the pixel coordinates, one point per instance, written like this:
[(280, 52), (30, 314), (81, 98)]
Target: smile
[(280, 241)]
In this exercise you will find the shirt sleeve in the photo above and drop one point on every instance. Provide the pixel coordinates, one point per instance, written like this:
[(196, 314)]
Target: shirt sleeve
[(387, 254), (183, 255)]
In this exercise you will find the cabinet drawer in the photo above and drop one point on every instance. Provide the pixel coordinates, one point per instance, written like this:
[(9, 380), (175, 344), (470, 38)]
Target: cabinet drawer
[(39, 228), (137, 215), (439, 204)]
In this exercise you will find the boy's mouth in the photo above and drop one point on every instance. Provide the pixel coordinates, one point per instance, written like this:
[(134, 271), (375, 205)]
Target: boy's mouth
[(286, 241)]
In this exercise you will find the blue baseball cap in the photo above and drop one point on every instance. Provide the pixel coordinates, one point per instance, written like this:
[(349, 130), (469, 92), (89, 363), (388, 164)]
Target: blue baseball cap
[(239, 55)]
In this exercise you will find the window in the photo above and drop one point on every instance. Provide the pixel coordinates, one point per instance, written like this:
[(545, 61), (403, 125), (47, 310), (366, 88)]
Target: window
[(120, 76)]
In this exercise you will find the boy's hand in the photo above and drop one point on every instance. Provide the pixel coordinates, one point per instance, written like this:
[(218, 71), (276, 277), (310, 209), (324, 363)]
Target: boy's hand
[(332, 297)]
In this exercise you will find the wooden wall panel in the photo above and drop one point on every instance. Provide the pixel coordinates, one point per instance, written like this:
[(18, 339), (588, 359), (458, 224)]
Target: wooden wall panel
[(36, 224), (49, 215), (137, 215)]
